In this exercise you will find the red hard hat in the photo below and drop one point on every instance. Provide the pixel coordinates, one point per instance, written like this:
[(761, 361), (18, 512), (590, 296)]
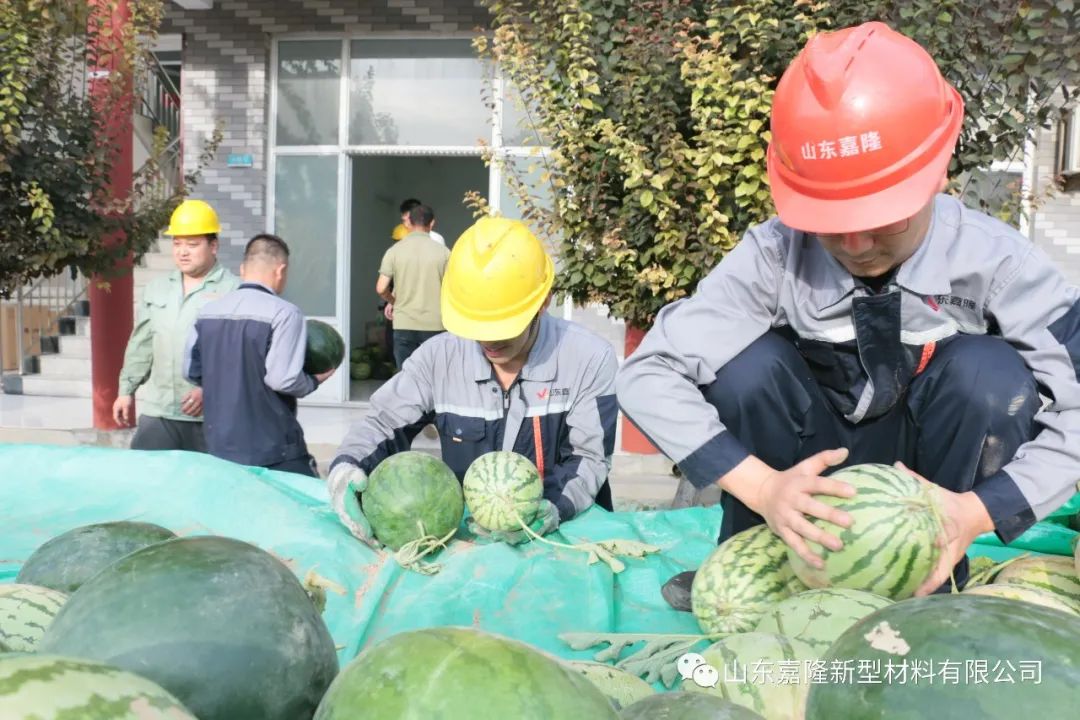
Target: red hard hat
[(863, 127)]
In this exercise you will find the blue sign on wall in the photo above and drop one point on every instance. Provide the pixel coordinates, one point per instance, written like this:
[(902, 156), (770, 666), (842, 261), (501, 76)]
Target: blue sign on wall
[(237, 160)]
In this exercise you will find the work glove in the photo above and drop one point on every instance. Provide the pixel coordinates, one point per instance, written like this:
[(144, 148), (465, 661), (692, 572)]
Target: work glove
[(546, 521), (345, 482)]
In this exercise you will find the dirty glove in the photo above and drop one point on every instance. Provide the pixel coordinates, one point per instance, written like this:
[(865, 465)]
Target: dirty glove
[(546, 521), (345, 481)]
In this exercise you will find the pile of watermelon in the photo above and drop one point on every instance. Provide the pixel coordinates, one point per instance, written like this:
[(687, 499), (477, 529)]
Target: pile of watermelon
[(126, 620), (370, 362), (848, 640)]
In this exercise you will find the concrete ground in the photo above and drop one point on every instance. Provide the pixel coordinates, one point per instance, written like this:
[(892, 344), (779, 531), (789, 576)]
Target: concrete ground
[(637, 481)]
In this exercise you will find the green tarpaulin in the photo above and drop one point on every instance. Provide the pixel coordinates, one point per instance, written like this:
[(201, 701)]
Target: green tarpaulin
[(532, 592)]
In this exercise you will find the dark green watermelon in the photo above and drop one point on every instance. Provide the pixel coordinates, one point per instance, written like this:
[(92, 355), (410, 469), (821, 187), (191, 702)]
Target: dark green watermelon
[(325, 348), (410, 495), (460, 673), (686, 706), (978, 657), (221, 624), (67, 561)]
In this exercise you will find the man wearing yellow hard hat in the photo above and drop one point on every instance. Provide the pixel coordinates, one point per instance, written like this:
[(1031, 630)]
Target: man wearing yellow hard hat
[(507, 376), (170, 416)]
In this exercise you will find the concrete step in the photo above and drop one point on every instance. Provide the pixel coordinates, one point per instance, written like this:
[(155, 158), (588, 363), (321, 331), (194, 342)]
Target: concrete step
[(76, 346), (64, 365), (57, 385), (82, 326)]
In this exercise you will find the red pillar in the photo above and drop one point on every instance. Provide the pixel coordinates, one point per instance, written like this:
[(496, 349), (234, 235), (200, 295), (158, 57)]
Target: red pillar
[(111, 307), (632, 438)]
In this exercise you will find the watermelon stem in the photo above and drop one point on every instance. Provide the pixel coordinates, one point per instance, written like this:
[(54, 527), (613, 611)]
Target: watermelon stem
[(411, 554), (606, 550)]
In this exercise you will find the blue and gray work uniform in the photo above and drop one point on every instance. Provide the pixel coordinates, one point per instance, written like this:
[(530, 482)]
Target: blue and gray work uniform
[(563, 402), (782, 353), (247, 352)]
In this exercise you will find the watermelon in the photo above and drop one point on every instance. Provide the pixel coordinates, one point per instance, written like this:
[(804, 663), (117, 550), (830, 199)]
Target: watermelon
[(325, 348), (1051, 573), (740, 580), (411, 495), (1025, 593), (890, 548), (45, 687), (360, 370), (25, 613), (686, 706), (764, 672), (951, 656), (620, 687), (356, 354), (457, 672), (221, 624), (818, 617), (499, 487), (67, 561)]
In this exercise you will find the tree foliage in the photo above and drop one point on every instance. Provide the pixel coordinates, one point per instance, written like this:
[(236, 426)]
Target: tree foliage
[(57, 138), (655, 117)]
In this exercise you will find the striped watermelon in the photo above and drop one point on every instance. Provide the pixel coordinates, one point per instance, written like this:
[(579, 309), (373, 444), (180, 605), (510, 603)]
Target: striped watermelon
[(741, 580), (1051, 573), (620, 687), (68, 560), (686, 706), (818, 617), (26, 611), (497, 484), (49, 687), (459, 672), (890, 548), (951, 656), (1025, 593), (411, 495), (764, 672)]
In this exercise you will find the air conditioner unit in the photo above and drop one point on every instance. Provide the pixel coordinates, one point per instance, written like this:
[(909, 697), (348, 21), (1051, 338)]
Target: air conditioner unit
[(1069, 144)]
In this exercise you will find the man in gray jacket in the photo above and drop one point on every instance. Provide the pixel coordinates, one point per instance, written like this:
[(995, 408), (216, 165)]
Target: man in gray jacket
[(874, 320), (508, 376)]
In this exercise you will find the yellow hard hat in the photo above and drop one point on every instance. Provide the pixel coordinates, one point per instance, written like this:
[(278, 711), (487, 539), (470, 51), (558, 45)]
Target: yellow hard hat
[(193, 217), (399, 232), (496, 280)]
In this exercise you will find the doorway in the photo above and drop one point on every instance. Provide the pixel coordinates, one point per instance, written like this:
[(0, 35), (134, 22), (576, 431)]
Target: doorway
[(379, 184)]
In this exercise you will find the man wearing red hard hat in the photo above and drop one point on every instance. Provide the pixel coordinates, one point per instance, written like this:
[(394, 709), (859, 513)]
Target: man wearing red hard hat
[(874, 320)]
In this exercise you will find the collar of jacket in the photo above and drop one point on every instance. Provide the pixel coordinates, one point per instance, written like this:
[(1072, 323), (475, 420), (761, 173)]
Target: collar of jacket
[(213, 275), (539, 366), (924, 273)]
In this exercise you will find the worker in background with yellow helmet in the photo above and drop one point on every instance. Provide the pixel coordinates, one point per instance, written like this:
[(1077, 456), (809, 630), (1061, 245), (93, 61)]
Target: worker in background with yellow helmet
[(874, 320), (170, 408), (506, 376)]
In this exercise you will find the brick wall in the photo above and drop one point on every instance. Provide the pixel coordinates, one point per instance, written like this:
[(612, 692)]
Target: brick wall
[(1056, 225), (226, 75)]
